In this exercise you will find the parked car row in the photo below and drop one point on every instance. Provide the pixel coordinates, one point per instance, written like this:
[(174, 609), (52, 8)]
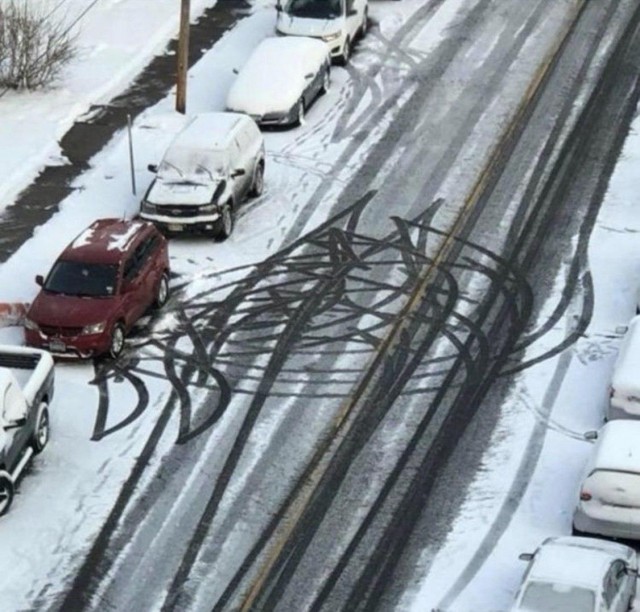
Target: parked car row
[(117, 270), (585, 573)]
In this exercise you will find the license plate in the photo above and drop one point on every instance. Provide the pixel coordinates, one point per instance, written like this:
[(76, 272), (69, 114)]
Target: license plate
[(57, 346), (175, 227)]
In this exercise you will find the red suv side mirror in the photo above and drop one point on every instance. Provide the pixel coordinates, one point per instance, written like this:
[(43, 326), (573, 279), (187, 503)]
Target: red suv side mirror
[(40, 280)]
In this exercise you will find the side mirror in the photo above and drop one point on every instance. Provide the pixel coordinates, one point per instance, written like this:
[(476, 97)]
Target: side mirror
[(235, 71), (16, 424), (309, 76), (39, 280), (352, 12), (152, 168), (525, 556), (590, 436), (278, 6), (238, 172)]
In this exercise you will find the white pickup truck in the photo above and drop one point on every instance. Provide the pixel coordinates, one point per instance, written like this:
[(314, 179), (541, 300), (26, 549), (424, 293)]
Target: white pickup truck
[(26, 389)]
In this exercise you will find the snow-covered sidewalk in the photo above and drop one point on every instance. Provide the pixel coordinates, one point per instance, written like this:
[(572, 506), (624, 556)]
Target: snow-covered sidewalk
[(115, 40)]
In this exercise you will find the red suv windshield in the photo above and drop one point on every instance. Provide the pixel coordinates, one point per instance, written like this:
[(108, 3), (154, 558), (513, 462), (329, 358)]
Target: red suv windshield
[(82, 279)]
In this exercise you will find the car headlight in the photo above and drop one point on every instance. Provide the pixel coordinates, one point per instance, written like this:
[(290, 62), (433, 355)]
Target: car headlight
[(148, 208), (30, 324), (96, 328), (209, 208), (330, 37)]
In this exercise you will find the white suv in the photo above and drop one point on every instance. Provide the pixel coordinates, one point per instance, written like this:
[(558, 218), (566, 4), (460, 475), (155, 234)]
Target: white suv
[(211, 166), (338, 22)]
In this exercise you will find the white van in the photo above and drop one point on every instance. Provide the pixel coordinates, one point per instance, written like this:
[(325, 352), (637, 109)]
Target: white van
[(624, 402), (211, 166), (338, 22)]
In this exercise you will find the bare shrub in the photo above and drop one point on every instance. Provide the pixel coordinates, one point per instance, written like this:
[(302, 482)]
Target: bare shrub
[(34, 47)]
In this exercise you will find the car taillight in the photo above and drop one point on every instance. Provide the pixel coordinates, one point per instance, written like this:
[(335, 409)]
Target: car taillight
[(585, 495)]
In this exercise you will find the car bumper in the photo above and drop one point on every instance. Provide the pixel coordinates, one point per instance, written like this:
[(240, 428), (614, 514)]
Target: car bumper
[(610, 528), (73, 347), (195, 225)]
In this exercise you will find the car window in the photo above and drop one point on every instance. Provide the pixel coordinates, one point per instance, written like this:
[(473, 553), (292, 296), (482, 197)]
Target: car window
[(82, 279), (130, 268), (614, 581), (236, 151), (319, 9), (614, 487), (15, 406), (140, 256), (551, 597)]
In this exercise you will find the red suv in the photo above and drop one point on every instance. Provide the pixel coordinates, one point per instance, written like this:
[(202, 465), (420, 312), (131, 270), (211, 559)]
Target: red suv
[(98, 288)]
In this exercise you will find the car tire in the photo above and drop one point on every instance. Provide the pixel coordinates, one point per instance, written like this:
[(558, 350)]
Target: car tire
[(41, 432), (299, 113), (258, 181), (224, 225), (365, 24), (6, 492), (162, 294), (343, 60), (117, 341), (326, 81)]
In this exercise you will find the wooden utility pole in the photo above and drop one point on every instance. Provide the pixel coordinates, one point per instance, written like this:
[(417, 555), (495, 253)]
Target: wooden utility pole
[(183, 57)]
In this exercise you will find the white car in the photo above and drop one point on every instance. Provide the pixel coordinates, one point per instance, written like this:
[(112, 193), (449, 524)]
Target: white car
[(569, 574), (624, 392), (211, 166), (609, 497), (281, 80), (339, 23)]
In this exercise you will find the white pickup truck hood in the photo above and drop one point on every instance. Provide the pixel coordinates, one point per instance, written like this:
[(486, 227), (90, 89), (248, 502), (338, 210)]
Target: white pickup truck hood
[(301, 26)]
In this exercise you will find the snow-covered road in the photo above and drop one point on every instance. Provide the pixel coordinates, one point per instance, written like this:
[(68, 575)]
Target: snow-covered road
[(230, 431)]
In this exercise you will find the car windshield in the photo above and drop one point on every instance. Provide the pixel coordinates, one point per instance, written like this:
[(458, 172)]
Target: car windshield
[(82, 279), (316, 9), (549, 597)]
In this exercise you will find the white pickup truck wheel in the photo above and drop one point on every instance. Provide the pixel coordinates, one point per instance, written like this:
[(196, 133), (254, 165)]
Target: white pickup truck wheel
[(42, 429), (6, 492)]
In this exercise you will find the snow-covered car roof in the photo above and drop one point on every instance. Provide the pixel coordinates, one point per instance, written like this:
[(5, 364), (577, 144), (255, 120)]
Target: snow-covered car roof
[(273, 78), (198, 153), (576, 561), (104, 241), (625, 375), (617, 447), (208, 131)]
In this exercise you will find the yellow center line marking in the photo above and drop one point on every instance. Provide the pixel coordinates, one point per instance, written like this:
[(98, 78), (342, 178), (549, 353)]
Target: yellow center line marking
[(320, 460)]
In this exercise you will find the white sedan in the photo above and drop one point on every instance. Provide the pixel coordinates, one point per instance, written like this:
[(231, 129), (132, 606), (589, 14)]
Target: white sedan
[(281, 80), (570, 574), (609, 496)]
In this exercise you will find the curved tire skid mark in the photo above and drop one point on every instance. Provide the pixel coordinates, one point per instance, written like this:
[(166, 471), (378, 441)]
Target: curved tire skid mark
[(355, 439), (531, 456), (293, 330), (398, 368)]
